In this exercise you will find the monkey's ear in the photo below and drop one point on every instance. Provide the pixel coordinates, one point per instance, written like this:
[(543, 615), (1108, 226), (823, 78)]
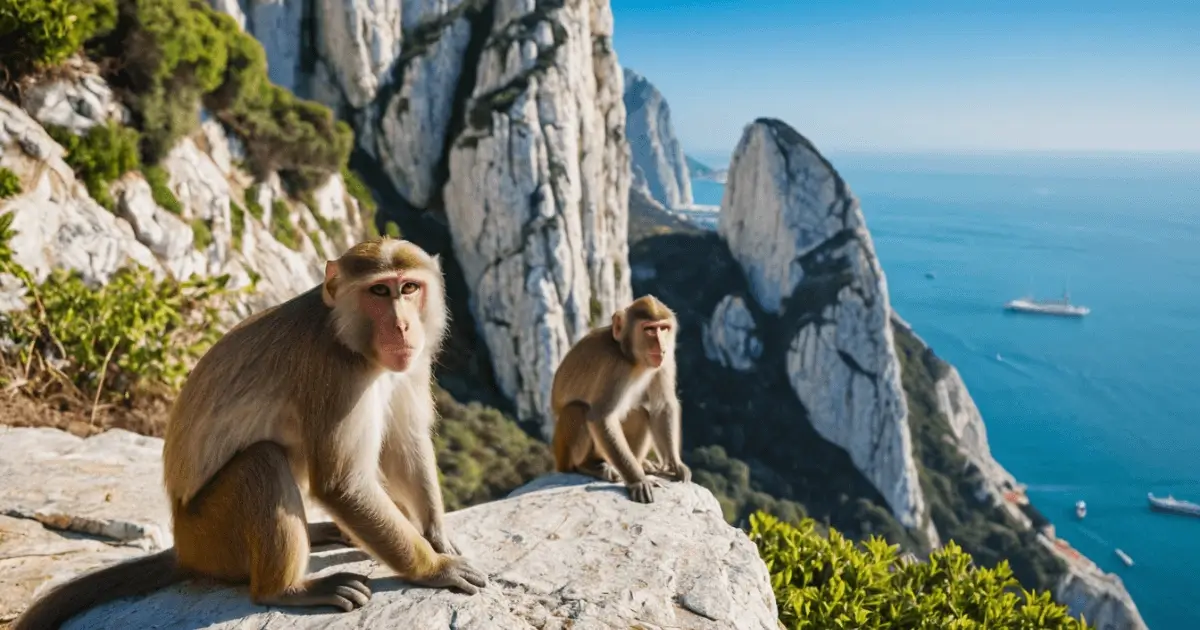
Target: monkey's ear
[(618, 323), (437, 261), (329, 290)]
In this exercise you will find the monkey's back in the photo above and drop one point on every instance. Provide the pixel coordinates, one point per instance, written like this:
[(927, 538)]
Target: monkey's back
[(243, 390), (574, 378)]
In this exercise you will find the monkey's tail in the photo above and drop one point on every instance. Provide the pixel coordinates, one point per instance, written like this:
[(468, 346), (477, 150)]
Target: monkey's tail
[(126, 579)]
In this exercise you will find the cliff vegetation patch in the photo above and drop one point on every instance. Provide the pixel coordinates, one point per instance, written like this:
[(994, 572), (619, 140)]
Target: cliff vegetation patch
[(828, 581), (100, 156)]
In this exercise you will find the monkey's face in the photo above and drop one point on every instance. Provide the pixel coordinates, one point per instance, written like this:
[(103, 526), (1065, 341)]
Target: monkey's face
[(654, 341), (395, 307)]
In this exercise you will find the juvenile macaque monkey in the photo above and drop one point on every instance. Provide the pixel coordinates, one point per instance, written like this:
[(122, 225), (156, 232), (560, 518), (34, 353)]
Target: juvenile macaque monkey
[(328, 393), (614, 397)]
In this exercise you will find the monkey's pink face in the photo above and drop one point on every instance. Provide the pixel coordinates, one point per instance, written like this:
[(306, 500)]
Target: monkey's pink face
[(657, 340), (395, 304)]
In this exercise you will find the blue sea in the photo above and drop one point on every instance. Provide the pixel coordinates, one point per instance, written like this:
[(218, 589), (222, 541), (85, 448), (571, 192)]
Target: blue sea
[(1104, 408)]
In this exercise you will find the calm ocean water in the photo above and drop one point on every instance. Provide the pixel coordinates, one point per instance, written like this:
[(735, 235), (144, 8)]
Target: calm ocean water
[(1103, 409)]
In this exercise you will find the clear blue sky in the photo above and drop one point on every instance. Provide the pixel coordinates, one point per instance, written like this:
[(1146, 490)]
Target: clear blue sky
[(913, 75)]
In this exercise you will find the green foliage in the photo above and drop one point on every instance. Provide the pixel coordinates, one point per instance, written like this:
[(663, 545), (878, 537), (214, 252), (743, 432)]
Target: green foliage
[(315, 237), (392, 229), (830, 582), (100, 156), (133, 332), (39, 33), (483, 455), (252, 206), (282, 227), (10, 184), (366, 202), (202, 235), (237, 221), (160, 189), (729, 480)]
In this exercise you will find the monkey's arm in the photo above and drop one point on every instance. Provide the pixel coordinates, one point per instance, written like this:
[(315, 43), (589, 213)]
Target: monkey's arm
[(605, 427), (412, 476), (353, 495), (666, 427)]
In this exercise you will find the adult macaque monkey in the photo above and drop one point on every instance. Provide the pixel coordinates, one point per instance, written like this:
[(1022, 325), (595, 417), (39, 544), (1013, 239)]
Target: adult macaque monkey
[(614, 397), (328, 393)]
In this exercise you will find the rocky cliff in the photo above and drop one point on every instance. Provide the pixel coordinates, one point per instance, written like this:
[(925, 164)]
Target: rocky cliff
[(798, 233), (504, 118), (659, 166), (207, 229), (560, 552)]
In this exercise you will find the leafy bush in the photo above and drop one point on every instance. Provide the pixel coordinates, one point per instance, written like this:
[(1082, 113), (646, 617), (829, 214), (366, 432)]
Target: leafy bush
[(483, 455), (237, 223), (366, 202), (10, 184), (391, 229), (830, 582), (100, 156), (132, 335), (160, 190), (39, 33), (202, 235), (282, 227), (252, 206)]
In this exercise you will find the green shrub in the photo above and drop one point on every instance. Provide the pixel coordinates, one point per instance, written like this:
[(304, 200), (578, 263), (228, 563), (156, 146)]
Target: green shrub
[(391, 229), (131, 334), (10, 184), (366, 202), (41, 33), (252, 206), (237, 223), (315, 237), (830, 582), (282, 227), (160, 189), (483, 455), (202, 235), (100, 156)]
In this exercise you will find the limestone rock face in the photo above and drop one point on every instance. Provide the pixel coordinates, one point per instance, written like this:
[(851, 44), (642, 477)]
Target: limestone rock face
[(58, 225), (1100, 597), (538, 191), (729, 337), (560, 552), (800, 237), (659, 165)]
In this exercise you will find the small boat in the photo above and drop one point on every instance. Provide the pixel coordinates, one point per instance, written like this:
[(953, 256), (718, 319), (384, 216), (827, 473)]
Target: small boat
[(1171, 505), (930, 275), (1080, 509), (1061, 307), (1124, 557)]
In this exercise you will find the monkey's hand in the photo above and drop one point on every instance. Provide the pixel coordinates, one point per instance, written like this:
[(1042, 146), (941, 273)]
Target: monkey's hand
[(455, 572), (641, 491), (681, 472), (440, 541)]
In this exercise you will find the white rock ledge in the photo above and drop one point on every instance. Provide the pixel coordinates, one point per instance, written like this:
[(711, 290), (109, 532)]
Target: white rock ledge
[(560, 553)]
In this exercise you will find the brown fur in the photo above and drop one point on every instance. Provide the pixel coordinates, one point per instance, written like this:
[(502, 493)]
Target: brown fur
[(298, 399), (612, 404)]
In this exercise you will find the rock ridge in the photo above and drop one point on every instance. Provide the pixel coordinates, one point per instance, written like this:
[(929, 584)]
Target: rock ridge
[(659, 165)]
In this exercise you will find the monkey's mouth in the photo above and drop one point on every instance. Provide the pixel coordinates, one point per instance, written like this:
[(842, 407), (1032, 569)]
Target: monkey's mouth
[(656, 358)]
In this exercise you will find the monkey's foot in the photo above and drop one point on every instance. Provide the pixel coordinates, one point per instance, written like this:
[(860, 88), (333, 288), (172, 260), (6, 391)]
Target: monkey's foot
[(642, 491), (654, 468), (327, 534), (456, 573), (601, 470), (347, 591)]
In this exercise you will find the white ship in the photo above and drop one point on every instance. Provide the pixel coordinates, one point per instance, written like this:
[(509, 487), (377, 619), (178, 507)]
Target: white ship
[(1061, 307), (1080, 509)]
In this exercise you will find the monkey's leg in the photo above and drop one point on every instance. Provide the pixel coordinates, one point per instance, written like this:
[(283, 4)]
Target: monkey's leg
[(412, 482), (248, 524), (665, 426), (573, 448), (609, 438)]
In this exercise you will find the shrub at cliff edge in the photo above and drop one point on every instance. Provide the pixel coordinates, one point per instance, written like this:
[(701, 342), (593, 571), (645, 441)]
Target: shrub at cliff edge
[(830, 582)]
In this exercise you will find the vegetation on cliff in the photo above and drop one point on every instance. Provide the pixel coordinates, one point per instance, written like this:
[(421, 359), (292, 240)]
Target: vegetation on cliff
[(828, 581)]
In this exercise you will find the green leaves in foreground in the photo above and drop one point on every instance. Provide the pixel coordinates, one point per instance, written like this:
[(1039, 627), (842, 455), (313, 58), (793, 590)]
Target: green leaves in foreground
[(832, 583), (132, 333)]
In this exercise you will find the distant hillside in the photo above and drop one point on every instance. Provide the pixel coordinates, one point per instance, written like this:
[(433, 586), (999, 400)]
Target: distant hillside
[(700, 170)]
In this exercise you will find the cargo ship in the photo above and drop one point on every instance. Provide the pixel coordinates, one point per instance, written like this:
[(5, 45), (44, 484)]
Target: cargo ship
[(1171, 505)]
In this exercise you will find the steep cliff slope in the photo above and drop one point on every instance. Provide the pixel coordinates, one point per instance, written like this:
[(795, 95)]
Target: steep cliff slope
[(659, 166), (504, 120)]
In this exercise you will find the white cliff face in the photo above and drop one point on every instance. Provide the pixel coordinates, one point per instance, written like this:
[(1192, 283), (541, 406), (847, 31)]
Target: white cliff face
[(730, 337), (538, 189), (659, 166), (58, 225), (799, 235)]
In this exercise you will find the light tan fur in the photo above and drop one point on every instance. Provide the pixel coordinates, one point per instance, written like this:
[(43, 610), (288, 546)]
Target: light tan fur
[(614, 398), (329, 394)]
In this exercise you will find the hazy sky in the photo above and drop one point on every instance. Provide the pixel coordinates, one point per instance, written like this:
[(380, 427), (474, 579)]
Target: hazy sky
[(912, 75)]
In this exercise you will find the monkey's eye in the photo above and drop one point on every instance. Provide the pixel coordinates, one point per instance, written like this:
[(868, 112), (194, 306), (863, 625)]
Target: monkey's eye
[(408, 288), (380, 290)]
